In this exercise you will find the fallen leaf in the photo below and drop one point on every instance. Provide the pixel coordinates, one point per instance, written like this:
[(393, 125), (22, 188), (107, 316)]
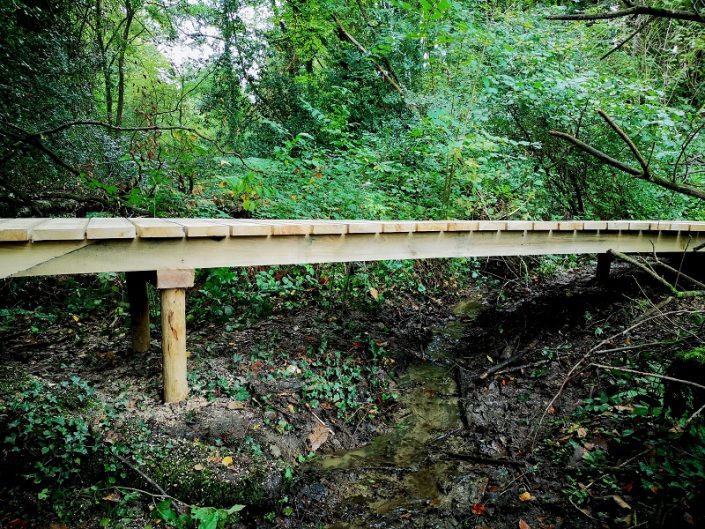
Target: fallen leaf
[(478, 509), (628, 486), (374, 293), (582, 432), (115, 497), (551, 410), (526, 496), (227, 461), (198, 467), (318, 436), (523, 524), (620, 501), (236, 405), (75, 318)]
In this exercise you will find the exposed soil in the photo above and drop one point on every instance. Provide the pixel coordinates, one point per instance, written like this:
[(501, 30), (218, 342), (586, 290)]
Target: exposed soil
[(457, 448)]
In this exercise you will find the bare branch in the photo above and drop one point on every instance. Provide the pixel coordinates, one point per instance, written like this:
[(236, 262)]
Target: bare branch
[(655, 12), (643, 173)]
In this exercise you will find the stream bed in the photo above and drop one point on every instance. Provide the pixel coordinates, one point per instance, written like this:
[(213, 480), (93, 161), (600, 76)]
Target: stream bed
[(402, 478)]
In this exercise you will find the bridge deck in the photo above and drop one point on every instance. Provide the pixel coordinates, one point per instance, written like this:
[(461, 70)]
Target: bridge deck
[(166, 251), (30, 247)]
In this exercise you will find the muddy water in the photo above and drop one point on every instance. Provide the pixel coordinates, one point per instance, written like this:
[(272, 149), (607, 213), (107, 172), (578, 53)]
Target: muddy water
[(428, 394), (401, 474)]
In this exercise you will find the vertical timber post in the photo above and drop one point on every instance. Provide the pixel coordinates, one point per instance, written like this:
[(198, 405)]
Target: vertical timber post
[(139, 310), (604, 262), (172, 285)]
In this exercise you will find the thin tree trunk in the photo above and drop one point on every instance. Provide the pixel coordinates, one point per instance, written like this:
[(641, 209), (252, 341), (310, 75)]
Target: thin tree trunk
[(129, 16), (105, 66)]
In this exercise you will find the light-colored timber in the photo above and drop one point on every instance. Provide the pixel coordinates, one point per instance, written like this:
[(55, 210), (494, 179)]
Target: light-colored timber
[(110, 228), (60, 230), (202, 228), (207, 243), (13, 230), (173, 301), (157, 228), (174, 248)]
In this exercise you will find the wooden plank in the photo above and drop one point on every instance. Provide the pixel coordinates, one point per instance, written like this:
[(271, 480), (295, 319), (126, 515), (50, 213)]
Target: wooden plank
[(153, 254), (697, 226), (431, 225), (245, 228), (16, 257), (285, 227), (175, 278), (641, 225), (520, 225), (398, 226), (492, 225), (328, 227), (545, 225), (463, 225), (110, 228), (364, 226), (594, 225), (203, 227), (570, 225), (618, 225), (673, 225), (17, 229), (149, 228), (60, 230)]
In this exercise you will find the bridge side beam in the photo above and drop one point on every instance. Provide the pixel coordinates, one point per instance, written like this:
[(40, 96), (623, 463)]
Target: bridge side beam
[(173, 284)]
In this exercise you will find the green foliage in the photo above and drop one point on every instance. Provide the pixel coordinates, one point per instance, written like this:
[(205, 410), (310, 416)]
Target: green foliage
[(197, 517), (47, 427), (622, 440), (333, 379)]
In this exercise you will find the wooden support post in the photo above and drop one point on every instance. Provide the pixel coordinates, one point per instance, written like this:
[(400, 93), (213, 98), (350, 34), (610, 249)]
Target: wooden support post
[(173, 285), (604, 262), (139, 310)]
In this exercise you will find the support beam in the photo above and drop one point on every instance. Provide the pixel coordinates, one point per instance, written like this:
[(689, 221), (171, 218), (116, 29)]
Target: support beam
[(139, 310), (604, 263), (173, 285)]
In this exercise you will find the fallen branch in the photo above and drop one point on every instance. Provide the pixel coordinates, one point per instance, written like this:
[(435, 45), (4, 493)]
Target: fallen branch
[(647, 374), (674, 291)]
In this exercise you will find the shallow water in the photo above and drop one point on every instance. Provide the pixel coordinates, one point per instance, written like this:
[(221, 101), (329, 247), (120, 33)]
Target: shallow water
[(399, 472), (394, 471)]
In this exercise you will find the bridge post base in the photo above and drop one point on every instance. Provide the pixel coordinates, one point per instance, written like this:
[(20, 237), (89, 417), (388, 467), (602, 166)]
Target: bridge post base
[(604, 263), (173, 285), (139, 310)]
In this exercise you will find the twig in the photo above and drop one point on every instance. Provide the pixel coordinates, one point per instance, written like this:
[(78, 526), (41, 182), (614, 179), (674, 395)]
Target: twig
[(647, 374), (630, 37), (585, 357), (149, 480), (486, 460), (674, 291)]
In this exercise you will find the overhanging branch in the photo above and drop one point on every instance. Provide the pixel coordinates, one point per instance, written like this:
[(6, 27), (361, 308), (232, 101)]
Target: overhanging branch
[(655, 12)]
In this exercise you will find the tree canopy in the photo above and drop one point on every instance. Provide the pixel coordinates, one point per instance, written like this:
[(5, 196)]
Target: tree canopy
[(342, 108)]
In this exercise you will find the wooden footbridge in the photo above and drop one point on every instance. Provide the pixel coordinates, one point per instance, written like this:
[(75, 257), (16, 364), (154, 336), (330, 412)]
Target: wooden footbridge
[(167, 251)]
